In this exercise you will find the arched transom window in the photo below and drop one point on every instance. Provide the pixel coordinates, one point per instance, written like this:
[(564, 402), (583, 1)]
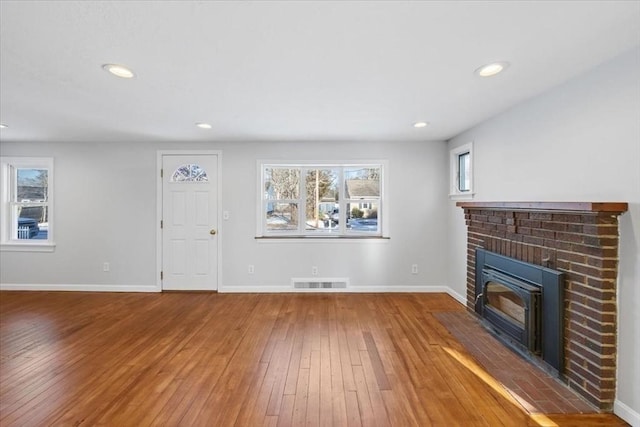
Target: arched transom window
[(189, 173)]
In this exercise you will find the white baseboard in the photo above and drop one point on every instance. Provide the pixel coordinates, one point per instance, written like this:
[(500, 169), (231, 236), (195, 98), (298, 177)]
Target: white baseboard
[(351, 289), (77, 288), (626, 413), (462, 299)]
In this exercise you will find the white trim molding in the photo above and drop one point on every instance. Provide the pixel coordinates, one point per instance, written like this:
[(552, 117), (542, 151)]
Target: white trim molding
[(626, 413), (47, 287), (350, 289)]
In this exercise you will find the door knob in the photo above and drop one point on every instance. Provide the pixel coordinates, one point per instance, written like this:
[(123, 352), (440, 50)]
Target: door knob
[(212, 231)]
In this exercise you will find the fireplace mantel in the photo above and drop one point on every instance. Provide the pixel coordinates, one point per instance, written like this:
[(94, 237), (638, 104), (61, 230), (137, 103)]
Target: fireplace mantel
[(618, 207)]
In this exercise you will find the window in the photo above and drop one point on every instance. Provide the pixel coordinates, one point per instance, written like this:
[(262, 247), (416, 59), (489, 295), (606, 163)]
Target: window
[(189, 173), (320, 200), (461, 166), (27, 203), (464, 167)]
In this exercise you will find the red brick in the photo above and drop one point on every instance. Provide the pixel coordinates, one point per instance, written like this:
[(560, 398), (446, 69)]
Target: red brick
[(601, 283), (603, 263), (596, 251), (488, 226), (603, 395), (608, 242), (572, 276), (591, 313), (586, 269), (597, 359), (569, 237), (576, 339), (607, 219), (600, 230), (605, 327), (603, 295), (533, 240), (495, 219), (605, 307), (561, 217), (528, 223), (572, 256), (513, 236), (554, 226), (548, 234), (582, 372), (590, 334), (575, 228), (544, 216)]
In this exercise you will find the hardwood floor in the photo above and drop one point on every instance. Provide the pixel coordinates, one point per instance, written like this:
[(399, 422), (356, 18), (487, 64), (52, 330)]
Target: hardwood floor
[(189, 359)]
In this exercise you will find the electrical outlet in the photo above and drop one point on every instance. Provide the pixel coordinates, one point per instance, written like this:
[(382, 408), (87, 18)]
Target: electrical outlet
[(251, 269), (414, 269), (314, 271), (105, 267)]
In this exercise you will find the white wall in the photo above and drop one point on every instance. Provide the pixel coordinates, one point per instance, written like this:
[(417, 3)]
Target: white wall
[(106, 211), (577, 142)]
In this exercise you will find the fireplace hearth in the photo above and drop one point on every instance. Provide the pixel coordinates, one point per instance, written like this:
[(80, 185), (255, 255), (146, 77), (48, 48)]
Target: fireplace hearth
[(522, 304)]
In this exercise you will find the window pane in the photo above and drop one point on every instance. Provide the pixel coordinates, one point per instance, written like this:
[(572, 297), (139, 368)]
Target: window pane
[(464, 178), (31, 221), (189, 173), (362, 183), (363, 217), (321, 186), (281, 183), (282, 216), (33, 185)]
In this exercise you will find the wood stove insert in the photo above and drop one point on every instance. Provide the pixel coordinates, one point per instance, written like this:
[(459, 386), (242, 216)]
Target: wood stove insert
[(522, 304)]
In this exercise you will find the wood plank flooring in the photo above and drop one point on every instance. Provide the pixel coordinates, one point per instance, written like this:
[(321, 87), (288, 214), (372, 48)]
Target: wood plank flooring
[(191, 359)]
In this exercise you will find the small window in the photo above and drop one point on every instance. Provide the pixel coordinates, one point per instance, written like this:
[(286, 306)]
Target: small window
[(27, 203), (461, 166), (189, 173), (320, 200), (464, 167)]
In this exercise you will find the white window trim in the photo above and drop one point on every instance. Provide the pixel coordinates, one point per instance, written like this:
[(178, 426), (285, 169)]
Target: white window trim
[(262, 233), (454, 191), (12, 245)]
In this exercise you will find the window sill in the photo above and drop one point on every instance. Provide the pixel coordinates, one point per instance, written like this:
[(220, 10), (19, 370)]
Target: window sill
[(27, 247), (294, 238), (461, 196)]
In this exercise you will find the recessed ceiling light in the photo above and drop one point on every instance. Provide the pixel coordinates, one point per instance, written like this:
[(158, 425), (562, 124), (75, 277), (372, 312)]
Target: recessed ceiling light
[(492, 69), (3, 126), (203, 125), (420, 124), (119, 71)]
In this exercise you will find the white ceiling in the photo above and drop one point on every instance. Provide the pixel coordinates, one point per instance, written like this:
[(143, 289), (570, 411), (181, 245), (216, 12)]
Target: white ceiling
[(287, 70)]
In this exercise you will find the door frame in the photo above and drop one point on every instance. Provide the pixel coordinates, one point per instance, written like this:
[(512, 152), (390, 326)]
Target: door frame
[(160, 154)]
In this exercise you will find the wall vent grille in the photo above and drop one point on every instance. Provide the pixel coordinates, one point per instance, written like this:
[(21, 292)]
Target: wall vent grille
[(320, 283)]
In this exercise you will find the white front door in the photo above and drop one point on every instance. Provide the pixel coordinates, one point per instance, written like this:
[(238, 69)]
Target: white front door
[(189, 222)]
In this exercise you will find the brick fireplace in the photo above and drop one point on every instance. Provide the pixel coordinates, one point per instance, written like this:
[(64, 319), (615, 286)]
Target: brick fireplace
[(579, 239)]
